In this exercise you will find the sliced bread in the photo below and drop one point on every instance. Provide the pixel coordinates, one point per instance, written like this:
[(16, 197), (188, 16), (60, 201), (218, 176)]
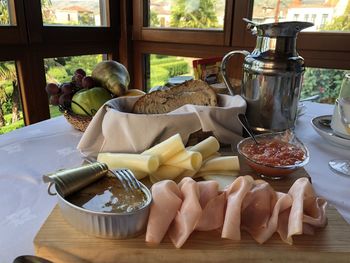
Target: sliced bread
[(195, 92)]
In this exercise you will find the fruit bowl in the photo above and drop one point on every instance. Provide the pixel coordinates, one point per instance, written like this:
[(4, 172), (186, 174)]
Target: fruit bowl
[(275, 156), (79, 122)]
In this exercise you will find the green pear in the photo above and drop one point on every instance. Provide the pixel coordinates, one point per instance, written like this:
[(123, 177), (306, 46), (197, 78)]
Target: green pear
[(88, 101)]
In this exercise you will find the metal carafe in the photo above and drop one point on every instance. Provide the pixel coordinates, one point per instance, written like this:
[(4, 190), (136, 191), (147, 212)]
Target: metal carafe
[(272, 76)]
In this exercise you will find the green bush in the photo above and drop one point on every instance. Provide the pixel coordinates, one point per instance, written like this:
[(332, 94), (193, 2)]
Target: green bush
[(176, 68), (326, 82), (59, 74), (159, 76), (156, 61), (54, 111)]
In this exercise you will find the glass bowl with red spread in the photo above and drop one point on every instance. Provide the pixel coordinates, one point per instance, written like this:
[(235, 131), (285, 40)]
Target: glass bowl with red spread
[(276, 154)]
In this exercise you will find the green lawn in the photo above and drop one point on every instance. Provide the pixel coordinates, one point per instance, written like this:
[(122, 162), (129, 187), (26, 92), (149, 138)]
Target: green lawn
[(11, 126), (54, 112)]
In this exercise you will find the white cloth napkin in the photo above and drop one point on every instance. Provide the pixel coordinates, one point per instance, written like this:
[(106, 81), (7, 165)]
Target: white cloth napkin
[(115, 129)]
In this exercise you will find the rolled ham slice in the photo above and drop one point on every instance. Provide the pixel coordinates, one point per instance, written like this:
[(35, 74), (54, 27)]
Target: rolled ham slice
[(235, 194), (189, 214), (213, 206), (260, 210), (307, 211), (167, 200)]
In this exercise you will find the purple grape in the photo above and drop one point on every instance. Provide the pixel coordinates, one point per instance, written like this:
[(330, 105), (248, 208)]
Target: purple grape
[(52, 89), (67, 88), (65, 100), (78, 80), (80, 71), (88, 82), (54, 100)]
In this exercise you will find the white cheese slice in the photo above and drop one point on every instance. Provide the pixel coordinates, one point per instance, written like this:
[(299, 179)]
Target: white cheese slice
[(166, 149), (144, 163), (207, 147), (186, 159)]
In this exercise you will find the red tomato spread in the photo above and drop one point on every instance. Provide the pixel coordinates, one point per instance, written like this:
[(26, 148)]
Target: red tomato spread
[(273, 152)]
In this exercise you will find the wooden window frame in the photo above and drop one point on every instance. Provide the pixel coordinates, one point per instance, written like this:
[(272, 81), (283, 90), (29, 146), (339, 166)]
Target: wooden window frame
[(183, 35), (29, 42), (323, 50)]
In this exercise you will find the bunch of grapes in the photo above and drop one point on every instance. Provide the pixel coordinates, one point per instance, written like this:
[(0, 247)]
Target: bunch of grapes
[(61, 95)]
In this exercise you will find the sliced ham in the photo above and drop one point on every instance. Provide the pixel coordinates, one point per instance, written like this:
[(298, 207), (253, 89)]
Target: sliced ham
[(246, 204), (307, 208), (213, 206), (235, 194), (189, 214), (260, 210), (167, 200)]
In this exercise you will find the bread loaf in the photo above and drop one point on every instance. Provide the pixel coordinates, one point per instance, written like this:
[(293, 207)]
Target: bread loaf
[(195, 92)]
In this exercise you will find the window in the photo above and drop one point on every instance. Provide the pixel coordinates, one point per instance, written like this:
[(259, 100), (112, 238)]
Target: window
[(322, 46), (74, 13), (31, 33), (7, 13), (169, 70), (333, 12), (313, 18), (324, 20), (186, 14)]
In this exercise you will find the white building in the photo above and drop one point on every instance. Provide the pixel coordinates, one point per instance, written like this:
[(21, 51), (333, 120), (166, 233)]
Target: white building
[(316, 11), (73, 15)]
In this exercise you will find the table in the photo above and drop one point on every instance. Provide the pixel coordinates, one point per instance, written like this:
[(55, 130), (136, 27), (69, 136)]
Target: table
[(28, 153)]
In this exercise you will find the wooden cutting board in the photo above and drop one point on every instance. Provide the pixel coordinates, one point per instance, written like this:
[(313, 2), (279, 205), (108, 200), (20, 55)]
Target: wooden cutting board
[(60, 242)]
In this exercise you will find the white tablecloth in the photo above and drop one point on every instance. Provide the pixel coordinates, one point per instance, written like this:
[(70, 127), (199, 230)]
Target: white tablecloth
[(28, 153)]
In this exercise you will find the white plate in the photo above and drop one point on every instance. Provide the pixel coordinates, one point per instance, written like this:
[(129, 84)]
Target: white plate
[(327, 133)]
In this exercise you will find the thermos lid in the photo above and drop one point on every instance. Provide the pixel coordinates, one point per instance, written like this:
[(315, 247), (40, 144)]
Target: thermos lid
[(280, 29)]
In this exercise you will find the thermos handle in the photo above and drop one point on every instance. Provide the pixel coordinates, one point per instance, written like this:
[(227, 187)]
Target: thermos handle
[(223, 67)]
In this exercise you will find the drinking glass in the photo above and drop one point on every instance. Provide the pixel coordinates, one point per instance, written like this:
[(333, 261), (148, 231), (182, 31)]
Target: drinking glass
[(342, 166)]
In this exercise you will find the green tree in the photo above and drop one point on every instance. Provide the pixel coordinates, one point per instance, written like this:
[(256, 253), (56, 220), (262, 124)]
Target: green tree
[(340, 23), (8, 74), (154, 20), (86, 18), (327, 82), (47, 12), (194, 14), (4, 14)]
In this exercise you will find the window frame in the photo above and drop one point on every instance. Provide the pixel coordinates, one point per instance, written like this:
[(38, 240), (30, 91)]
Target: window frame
[(183, 35), (29, 42), (319, 49)]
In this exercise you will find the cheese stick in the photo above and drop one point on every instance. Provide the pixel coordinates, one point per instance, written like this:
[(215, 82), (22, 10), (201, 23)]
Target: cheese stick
[(166, 149), (167, 172), (186, 159), (207, 147), (222, 180), (192, 173), (144, 163), (228, 163)]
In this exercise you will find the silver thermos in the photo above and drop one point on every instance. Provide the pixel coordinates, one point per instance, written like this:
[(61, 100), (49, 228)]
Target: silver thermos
[(272, 76)]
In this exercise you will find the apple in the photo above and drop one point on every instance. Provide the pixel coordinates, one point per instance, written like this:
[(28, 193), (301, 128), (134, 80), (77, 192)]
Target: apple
[(88, 101)]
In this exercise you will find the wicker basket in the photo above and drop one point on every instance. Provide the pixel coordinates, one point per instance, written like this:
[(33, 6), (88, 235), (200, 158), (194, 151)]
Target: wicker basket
[(79, 122)]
